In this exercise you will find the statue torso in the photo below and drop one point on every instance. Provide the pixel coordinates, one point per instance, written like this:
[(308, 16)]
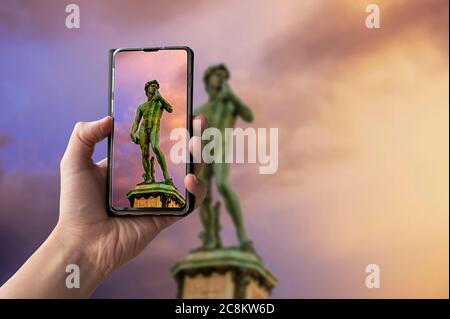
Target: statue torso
[(151, 114), (220, 114)]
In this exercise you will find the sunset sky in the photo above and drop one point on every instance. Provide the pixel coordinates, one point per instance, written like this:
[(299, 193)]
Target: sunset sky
[(363, 128)]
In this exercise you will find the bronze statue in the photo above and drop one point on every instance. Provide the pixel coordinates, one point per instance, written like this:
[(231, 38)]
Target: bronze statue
[(221, 110), (149, 115)]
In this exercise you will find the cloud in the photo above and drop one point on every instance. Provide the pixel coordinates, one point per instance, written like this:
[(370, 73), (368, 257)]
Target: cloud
[(337, 34), (43, 20), (5, 140), (363, 153)]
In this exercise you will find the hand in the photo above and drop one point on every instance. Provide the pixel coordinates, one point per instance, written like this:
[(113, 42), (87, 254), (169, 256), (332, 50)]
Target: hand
[(106, 241), (134, 138), (225, 92), (157, 96), (85, 235)]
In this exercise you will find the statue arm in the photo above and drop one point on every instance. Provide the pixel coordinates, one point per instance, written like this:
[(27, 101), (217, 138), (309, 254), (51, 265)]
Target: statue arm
[(166, 105), (135, 126), (243, 110)]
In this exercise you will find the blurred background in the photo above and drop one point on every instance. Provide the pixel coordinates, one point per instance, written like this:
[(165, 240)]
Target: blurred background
[(363, 134)]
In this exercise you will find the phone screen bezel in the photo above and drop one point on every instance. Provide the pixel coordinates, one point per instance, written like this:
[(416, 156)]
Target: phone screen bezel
[(190, 199)]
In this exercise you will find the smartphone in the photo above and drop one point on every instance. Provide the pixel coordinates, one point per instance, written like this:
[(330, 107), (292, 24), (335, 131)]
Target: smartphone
[(150, 97)]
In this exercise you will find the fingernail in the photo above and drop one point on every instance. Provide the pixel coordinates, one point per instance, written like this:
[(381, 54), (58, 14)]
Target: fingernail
[(196, 181)]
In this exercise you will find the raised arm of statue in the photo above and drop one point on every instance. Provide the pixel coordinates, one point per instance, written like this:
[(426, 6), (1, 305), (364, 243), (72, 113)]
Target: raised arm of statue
[(166, 105), (241, 109)]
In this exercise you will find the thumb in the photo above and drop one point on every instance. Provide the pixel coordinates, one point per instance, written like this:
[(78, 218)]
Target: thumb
[(83, 139)]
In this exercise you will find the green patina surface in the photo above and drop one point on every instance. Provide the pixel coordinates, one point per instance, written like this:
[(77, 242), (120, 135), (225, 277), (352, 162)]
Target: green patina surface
[(222, 110), (146, 130)]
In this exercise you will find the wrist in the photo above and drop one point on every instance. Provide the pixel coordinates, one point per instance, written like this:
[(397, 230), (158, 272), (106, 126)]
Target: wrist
[(46, 273), (73, 251)]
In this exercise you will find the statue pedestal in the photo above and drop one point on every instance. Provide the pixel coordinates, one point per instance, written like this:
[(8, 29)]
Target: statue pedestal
[(155, 195), (226, 273)]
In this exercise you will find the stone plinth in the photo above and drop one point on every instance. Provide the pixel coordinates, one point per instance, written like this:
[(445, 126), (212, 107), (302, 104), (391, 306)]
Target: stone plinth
[(226, 273), (155, 195)]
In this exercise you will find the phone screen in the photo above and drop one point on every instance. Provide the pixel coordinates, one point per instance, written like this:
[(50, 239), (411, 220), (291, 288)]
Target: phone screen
[(150, 98)]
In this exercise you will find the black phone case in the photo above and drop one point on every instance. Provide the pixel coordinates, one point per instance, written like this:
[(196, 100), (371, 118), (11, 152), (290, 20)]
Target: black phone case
[(190, 199)]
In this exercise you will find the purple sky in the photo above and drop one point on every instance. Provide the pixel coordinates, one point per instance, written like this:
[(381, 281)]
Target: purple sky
[(363, 128)]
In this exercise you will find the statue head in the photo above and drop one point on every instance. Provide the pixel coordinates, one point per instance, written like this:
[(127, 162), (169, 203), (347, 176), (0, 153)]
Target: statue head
[(215, 76), (151, 87)]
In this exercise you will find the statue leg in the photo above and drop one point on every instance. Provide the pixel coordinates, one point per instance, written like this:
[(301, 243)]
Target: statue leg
[(221, 174), (154, 140), (208, 215), (152, 168), (143, 142)]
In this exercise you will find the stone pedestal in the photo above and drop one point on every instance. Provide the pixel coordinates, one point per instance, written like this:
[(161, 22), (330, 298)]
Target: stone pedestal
[(226, 273), (156, 195)]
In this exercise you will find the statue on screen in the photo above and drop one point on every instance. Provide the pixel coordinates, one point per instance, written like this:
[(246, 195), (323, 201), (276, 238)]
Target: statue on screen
[(221, 110), (148, 115)]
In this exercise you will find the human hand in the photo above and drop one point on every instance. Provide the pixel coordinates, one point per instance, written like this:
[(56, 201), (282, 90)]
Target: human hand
[(157, 96), (106, 242), (85, 235), (134, 138)]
